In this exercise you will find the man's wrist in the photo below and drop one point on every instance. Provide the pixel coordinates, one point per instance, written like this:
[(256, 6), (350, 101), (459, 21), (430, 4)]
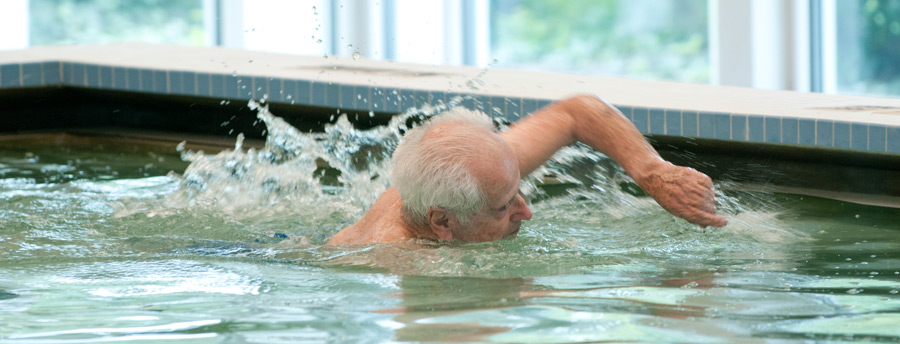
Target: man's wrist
[(645, 171)]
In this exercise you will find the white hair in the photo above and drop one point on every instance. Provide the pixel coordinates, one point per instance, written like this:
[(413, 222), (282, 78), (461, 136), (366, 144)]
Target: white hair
[(434, 172)]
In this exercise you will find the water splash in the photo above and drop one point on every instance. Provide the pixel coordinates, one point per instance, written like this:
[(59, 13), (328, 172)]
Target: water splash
[(331, 175)]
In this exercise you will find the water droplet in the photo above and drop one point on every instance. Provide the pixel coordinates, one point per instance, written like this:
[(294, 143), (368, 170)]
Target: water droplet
[(857, 216), (349, 46), (371, 114), (853, 291), (356, 55), (318, 41), (692, 284), (894, 291)]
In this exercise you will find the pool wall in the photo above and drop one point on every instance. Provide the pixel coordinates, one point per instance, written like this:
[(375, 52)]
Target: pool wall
[(830, 128), (743, 115)]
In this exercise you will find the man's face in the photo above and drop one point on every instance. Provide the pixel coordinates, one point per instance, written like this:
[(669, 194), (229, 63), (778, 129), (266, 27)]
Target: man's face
[(505, 209)]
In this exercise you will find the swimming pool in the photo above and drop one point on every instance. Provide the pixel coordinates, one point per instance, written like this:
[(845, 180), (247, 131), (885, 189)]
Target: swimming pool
[(114, 235), (101, 243)]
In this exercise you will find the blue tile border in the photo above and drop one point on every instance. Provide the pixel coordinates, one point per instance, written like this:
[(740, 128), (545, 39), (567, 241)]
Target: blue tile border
[(78, 74), (877, 138), (690, 126), (32, 74), (824, 133), (842, 137), (529, 106), (204, 85), (105, 77), (673, 122), (657, 118), (722, 126), (755, 128), (789, 130), (706, 125), (513, 109), (274, 90), (806, 132), (641, 119), (893, 140), (859, 136), (92, 76), (118, 78), (738, 127), (176, 82), (353, 97), (332, 95), (9, 75), (51, 73)]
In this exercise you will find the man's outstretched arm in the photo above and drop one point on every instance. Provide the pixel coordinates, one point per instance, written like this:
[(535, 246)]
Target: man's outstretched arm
[(682, 191)]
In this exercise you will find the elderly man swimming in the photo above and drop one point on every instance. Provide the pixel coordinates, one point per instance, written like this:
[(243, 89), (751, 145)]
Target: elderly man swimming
[(455, 178)]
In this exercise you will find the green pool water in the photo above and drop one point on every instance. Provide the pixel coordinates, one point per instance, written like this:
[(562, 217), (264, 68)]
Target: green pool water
[(107, 241)]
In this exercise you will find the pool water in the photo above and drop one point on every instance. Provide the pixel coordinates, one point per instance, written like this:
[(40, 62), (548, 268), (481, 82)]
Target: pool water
[(105, 241)]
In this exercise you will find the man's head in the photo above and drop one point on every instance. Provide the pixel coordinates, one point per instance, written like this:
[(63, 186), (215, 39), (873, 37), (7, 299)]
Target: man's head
[(459, 179)]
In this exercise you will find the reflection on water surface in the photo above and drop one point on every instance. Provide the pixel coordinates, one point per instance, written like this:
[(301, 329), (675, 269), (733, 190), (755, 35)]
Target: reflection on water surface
[(230, 250)]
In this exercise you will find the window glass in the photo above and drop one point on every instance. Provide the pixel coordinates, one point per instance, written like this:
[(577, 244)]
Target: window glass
[(868, 47), (111, 21), (652, 39)]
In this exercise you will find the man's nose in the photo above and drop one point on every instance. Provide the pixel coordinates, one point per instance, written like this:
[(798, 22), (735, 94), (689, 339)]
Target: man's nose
[(523, 213)]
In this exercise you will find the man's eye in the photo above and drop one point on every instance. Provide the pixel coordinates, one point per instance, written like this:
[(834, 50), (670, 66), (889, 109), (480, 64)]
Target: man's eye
[(503, 208)]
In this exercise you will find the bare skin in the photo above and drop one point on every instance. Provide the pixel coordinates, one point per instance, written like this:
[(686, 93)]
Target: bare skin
[(527, 145)]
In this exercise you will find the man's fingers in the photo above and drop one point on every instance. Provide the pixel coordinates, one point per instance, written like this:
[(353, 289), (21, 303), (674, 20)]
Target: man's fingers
[(718, 221)]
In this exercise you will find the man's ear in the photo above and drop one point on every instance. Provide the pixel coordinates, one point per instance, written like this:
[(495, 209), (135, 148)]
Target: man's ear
[(439, 220)]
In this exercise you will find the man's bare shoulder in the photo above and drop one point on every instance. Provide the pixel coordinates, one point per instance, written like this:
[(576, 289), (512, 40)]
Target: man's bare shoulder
[(381, 224)]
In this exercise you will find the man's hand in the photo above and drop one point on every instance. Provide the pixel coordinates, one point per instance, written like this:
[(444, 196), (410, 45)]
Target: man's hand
[(683, 191)]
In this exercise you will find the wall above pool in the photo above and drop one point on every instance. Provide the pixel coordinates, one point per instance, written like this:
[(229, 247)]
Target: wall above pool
[(732, 114)]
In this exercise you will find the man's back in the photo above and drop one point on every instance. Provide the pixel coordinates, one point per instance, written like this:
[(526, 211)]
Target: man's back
[(381, 224)]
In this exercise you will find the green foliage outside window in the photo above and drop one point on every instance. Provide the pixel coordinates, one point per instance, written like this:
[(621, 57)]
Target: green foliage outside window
[(652, 39), (880, 46), (110, 21)]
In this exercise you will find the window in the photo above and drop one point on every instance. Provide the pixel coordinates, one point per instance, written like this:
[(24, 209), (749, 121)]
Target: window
[(835, 46), (635, 38), (867, 47), (111, 21)]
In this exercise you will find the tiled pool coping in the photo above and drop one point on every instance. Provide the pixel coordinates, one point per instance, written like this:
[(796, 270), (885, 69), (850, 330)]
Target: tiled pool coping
[(657, 108)]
